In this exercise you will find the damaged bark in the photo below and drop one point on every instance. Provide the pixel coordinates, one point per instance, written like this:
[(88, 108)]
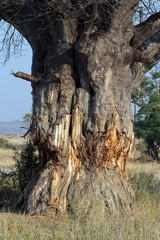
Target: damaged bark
[(82, 122)]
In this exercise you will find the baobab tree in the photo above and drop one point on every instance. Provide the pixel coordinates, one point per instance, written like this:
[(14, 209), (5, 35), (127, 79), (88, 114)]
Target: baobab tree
[(88, 56)]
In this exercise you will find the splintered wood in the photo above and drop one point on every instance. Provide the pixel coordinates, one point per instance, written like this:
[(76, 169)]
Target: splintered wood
[(58, 193), (116, 151)]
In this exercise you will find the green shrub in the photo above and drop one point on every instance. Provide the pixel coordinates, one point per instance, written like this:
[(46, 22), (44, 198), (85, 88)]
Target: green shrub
[(26, 164), (12, 183), (9, 189), (145, 185)]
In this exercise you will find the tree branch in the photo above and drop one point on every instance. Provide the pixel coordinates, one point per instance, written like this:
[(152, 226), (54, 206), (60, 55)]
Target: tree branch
[(26, 77), (28, 17), (124, 11), (29, 130), (146, 30), (129, 5), (152, 46), (139, 56)]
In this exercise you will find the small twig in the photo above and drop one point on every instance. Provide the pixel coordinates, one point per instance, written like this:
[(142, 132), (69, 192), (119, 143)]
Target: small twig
[(26, 133), (26, 77), (24, 127)]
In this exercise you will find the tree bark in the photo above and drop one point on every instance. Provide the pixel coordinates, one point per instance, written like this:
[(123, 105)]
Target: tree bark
[(82, 123)]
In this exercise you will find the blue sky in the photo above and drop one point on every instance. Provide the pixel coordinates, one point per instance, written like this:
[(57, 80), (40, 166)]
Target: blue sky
[(15, 93)]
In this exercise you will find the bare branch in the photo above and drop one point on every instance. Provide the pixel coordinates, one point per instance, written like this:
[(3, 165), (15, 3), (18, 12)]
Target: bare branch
[(152, 47), (26, 133), (139, 56), (146, 30), (24, 127), (12, 42), (26, 77)]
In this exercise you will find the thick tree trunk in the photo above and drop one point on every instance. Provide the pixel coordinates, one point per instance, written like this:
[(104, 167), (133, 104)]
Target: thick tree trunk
[(82, 124)]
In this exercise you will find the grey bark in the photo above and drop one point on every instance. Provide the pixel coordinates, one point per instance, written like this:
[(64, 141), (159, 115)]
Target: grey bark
[(82, 122)]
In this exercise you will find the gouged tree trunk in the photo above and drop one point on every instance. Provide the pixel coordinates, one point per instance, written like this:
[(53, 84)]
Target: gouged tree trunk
[(82, 125), (80, 174)]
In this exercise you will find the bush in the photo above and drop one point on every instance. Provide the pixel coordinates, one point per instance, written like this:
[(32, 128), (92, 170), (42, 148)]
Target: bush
[(26, 163), (12, 183), (145, 185), (9, 189)]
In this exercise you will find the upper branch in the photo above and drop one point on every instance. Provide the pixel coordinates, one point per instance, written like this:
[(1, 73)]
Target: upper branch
[(28, 17), (146, 30), (153, 48)]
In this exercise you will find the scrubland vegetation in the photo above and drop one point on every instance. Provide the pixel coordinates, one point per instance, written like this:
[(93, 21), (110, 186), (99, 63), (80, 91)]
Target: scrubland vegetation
[(143, 224)]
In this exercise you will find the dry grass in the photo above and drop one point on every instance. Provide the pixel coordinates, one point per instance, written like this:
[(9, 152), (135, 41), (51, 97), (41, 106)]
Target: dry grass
[(14, 139), (6, 154), (6, 158), (136, 167), (145, 225)]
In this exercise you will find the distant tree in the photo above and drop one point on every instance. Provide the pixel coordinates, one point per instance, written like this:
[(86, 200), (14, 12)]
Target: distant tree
[(140, 94), (27, 119), (147, 119)]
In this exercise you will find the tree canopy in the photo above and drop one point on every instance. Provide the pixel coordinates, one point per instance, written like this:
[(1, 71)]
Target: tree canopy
[(140, 18)]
